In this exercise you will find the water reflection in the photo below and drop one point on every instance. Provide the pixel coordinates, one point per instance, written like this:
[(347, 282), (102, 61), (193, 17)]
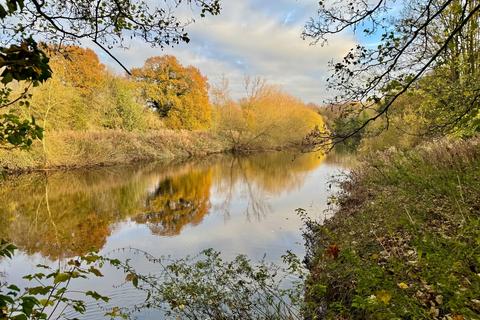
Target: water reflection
[(63, 214), (177, 201)]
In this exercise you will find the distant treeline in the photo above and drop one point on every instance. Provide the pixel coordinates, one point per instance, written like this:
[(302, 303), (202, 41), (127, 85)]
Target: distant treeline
[(85, 108)]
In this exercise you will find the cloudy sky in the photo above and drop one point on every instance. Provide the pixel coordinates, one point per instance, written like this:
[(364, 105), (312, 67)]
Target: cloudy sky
[(257, 38)]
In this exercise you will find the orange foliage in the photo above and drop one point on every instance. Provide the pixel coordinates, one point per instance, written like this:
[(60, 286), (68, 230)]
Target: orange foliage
[(178, 93), (177, 202), (80, 67)]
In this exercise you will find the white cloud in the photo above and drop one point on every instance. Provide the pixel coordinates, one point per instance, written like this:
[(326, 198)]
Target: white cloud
[(261, 38)]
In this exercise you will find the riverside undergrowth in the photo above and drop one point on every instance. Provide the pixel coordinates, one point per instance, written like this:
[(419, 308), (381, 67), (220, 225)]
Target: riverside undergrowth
[(405, 240)]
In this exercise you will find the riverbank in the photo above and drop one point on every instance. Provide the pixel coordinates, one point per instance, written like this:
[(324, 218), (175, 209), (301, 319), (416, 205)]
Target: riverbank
[(75, 149), (405, 239), (84, 149)]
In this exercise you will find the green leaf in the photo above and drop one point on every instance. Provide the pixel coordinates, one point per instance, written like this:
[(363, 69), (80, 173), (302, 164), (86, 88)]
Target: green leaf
[(95, 272), (3, 12), (95, 295), (39, 290), (79, 306), (61, 277), (4, 298), (7, 78), (28, 303), (13, 287), (115, 262), (46, 302), (91, 258), (6, 249)]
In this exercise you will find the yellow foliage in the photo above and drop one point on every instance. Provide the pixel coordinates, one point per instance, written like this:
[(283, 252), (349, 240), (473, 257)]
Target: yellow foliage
[(83, 95), (270, 119), (176, 202), (86, 113), (68, 213), (402, 285), (80, 67)]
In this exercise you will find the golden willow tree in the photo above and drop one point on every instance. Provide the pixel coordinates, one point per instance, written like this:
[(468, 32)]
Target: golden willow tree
[(266, 118), (178, 93)]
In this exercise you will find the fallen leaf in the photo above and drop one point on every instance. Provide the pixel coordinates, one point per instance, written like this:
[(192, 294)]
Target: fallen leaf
[(333, 251), (402, 285), (384, 296)]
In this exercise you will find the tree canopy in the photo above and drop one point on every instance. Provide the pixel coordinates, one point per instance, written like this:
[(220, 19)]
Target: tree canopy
[(107, 23), (178, 93), (416, 38)]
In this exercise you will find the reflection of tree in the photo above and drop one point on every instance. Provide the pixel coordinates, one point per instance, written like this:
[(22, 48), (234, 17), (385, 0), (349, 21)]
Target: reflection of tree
[(257, 203), (262, 175), (342, 158), (39, 220), (176, 202), (273, 172), (62, 214), (231, 171)]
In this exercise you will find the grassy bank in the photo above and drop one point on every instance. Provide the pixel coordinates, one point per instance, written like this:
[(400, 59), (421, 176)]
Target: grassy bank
[(405, 241), (77, 149), (70, 149)]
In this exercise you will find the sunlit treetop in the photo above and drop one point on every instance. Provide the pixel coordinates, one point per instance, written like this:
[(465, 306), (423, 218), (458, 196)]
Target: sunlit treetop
[(178, 93)]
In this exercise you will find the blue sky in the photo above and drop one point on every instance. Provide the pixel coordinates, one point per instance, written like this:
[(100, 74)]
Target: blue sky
[(257, 38)]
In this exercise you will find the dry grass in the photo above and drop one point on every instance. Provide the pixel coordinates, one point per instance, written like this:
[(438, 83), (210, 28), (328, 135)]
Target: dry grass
[(108, 147)]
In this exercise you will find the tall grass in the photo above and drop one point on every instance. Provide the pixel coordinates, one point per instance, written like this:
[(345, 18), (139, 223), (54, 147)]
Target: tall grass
[(404, 242), (108, 147)]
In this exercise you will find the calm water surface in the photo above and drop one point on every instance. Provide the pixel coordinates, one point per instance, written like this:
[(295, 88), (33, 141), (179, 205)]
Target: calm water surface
[(236, 205)]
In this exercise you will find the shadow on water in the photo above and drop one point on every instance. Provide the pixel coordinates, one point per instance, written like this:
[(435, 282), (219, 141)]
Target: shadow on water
[(64, 214)]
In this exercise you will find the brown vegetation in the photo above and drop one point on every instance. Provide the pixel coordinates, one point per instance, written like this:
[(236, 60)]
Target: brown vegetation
[(107, 147)]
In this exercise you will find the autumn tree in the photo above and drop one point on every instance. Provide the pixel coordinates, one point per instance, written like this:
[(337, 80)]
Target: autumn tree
[(83, 95), (106, 23), (265, 118), (178, 93), (70, 98), (78, 66)]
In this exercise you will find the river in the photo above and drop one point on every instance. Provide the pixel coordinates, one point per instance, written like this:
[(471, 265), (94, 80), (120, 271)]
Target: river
[(235, 205)]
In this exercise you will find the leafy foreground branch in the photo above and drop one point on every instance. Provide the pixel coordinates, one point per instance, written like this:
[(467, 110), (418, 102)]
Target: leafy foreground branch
[(405, 242), (207, 287), (49, 297), (200, 287)]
